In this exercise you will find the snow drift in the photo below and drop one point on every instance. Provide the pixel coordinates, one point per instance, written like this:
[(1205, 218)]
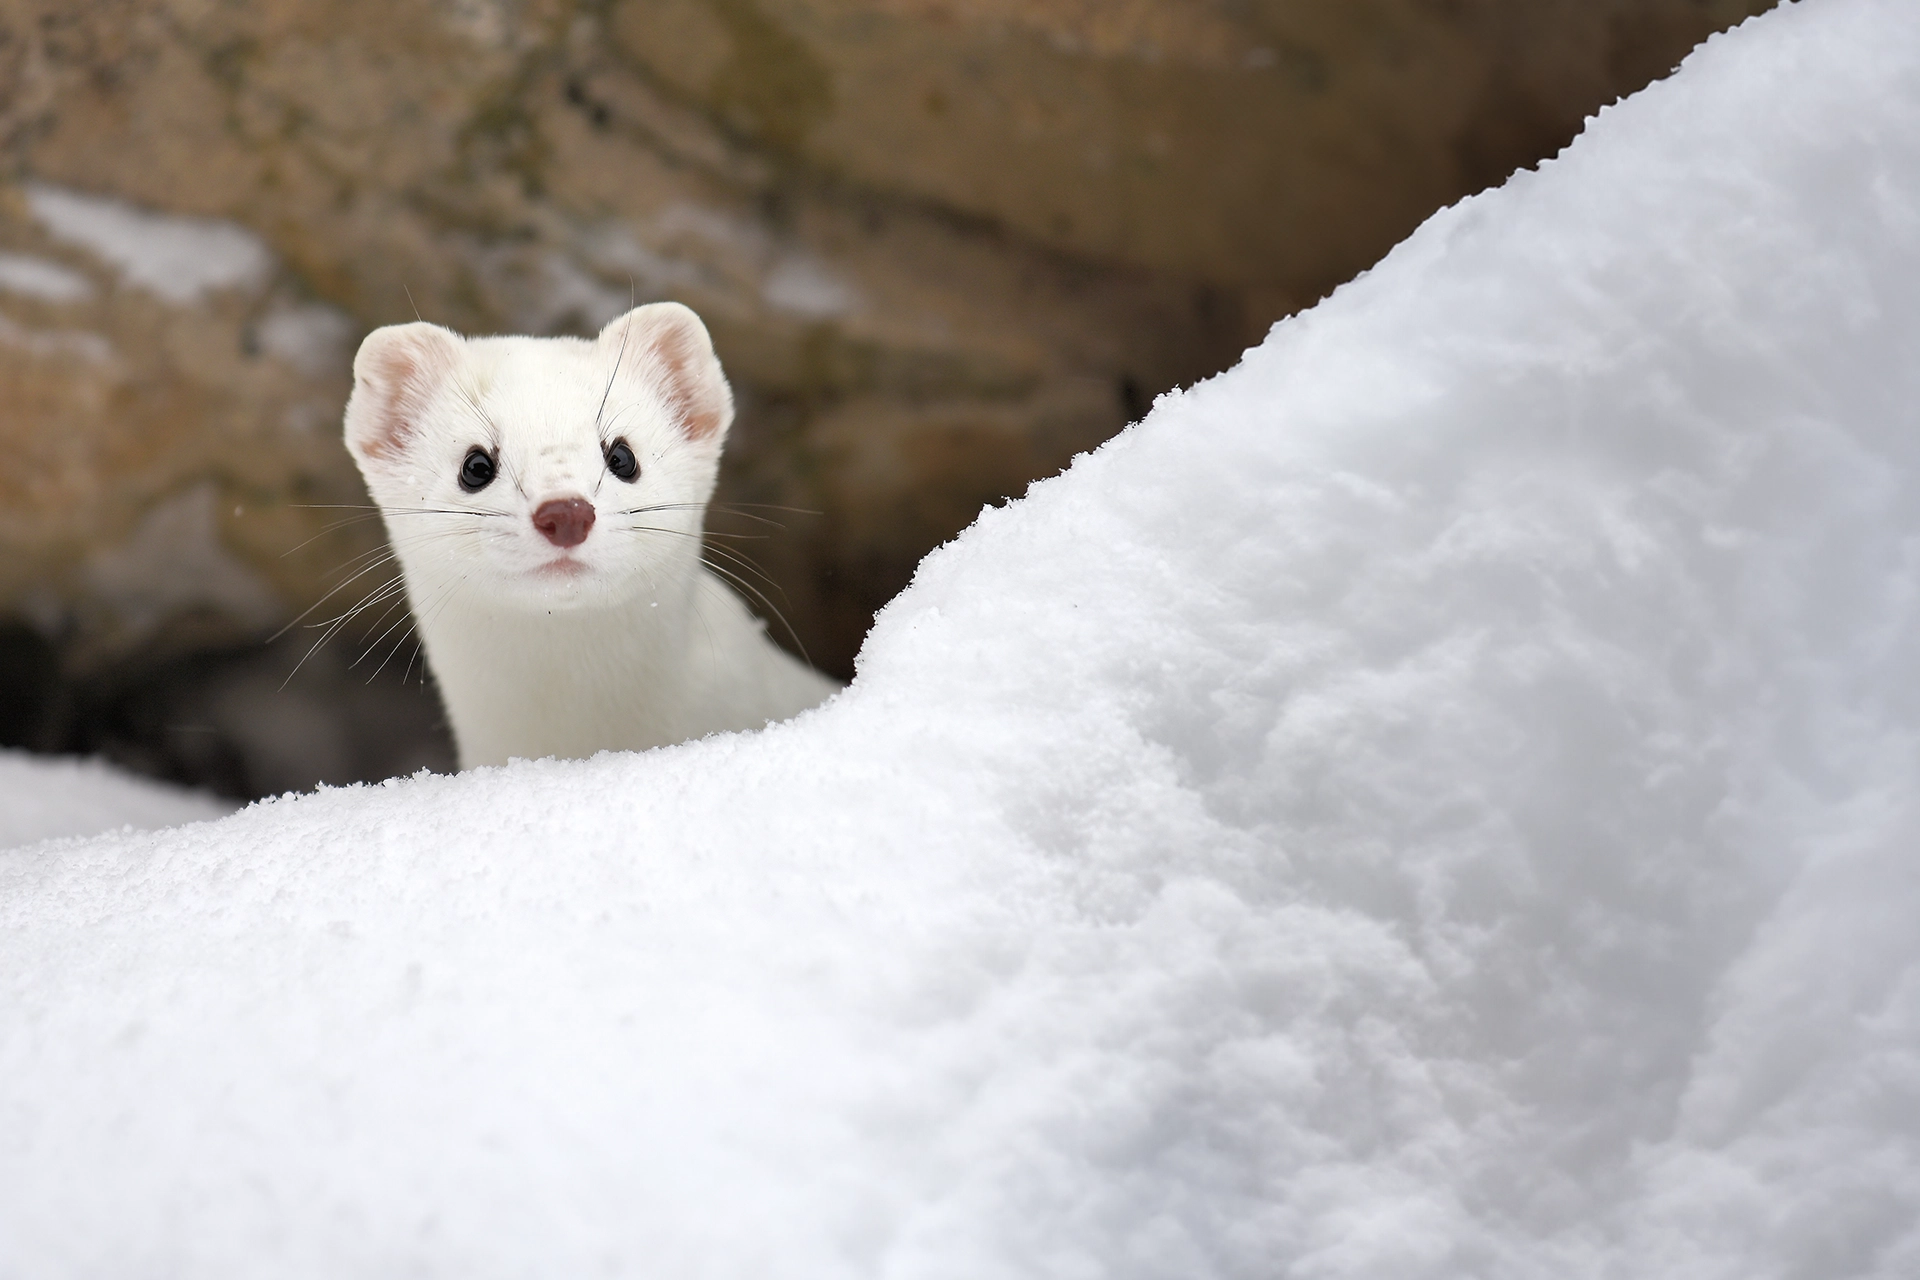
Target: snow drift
[(1436, 800)]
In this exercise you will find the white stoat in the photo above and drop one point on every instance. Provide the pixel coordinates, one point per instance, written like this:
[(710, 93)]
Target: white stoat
[(545, 498)]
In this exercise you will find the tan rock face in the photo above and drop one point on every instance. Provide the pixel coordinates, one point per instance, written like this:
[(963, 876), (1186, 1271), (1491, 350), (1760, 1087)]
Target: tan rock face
[(943, 245)]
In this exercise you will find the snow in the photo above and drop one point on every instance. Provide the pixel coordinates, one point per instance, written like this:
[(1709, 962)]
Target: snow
[(176, 258), (42, 280), (1435, 800), (805, 287), (56, 343), (42, 797), (313, 337)]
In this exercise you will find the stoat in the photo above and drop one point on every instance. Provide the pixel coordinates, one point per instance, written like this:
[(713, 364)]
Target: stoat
[(545, 498)]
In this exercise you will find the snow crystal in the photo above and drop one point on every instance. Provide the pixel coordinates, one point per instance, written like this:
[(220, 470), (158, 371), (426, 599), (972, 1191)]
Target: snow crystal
[(177, 259), (1435, 800)]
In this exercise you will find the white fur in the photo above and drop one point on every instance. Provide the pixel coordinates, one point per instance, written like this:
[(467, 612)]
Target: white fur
[(632, 642)]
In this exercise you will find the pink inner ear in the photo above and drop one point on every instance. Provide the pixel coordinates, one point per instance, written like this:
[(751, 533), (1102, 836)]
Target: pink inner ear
[(667, 342), (688, 392), (690, 385), (394, 375)]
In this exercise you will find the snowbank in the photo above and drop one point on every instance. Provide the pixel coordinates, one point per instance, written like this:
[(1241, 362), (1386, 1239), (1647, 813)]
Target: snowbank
[(42, 797), (1437, 800)]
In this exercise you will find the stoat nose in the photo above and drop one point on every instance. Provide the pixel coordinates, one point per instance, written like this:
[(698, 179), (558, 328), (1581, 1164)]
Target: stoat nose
[(565, 522)]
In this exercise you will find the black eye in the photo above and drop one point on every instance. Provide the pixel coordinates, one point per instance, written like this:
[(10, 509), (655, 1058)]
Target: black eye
[(476, 473), (621, 462)]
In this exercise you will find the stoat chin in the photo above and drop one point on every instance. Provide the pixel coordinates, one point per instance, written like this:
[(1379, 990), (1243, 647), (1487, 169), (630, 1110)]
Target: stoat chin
[(545, 498)]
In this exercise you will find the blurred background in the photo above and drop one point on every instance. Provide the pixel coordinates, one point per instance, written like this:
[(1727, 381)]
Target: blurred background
[(942, 246)]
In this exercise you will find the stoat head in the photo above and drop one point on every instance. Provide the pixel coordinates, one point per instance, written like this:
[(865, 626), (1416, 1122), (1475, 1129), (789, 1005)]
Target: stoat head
[(544, 472)]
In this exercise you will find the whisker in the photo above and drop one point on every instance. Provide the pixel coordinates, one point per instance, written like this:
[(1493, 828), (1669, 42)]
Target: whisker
[(765, 506), (388, 550), (390, 592), (374, 513), (736, 557), (302, 615), (695, 506), (746, 586), (704, 533), (394, 651), (382, 552), (406, 618), (399, 599), (330, 528), (413, 629), (394, 511), (434, 608), (625, 330), (726, 508), (333, 627), (413, 620), (626, 409), (392, 588), (713, 645), (746, 563), (466, 393)]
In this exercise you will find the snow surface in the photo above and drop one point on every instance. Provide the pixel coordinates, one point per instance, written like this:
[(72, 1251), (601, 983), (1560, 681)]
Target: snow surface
[(1437, 800), (46, 796)]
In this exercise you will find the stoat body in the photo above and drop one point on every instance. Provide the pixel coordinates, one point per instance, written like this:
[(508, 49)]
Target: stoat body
[(545, 498)]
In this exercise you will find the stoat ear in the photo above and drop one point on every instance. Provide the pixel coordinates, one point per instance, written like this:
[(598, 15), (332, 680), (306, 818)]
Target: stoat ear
[(666, 341), (395, 374)]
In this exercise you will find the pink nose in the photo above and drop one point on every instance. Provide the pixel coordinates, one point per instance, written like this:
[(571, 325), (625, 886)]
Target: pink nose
[(565, 522)]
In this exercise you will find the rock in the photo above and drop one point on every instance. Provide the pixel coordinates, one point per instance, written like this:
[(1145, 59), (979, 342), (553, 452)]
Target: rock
[(943, 245)]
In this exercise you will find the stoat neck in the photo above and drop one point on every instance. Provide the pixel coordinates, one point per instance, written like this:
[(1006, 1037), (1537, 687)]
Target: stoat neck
[(655, 670), (527, 682)]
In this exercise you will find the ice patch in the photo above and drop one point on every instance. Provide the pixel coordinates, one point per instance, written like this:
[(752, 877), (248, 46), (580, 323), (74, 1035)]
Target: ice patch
[(177, 259)]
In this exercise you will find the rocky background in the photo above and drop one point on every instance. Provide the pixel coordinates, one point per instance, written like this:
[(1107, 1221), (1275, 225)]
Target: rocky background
[(943, 245)]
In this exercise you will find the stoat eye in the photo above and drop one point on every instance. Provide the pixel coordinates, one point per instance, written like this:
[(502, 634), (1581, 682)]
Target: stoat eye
[(476, 473), (621, 462)]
